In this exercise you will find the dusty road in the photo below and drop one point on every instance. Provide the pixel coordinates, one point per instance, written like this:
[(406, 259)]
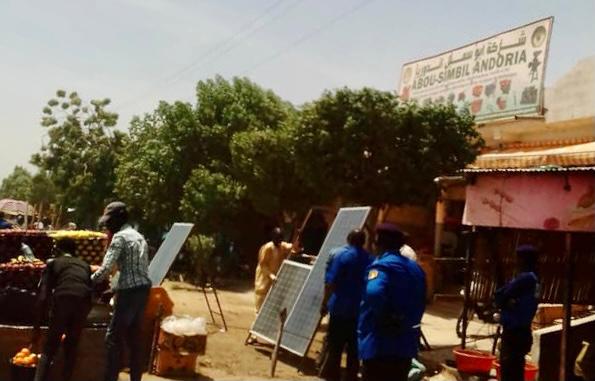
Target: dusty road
[(227, 358)]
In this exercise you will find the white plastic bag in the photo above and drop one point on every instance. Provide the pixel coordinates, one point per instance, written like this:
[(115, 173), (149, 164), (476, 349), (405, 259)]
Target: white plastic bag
[(184, 325)]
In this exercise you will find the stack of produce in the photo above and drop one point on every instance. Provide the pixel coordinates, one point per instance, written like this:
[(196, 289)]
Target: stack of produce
[(25, 358), (10, 243), (23, 365), (90, 245), (21, 273)]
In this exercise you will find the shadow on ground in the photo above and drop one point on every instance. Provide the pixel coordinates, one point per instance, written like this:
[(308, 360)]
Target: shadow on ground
[(304, 365)]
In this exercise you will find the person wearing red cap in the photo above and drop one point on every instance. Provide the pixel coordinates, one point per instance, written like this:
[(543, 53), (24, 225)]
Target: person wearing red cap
[(128, 250)]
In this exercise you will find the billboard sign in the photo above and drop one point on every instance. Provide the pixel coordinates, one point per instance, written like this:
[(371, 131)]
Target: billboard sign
[(563, 202), (498, 77)]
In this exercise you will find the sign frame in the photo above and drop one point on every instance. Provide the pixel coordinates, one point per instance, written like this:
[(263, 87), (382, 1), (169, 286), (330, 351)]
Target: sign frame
[(476, 84)]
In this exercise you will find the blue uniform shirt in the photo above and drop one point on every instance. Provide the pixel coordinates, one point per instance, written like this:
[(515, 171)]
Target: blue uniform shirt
[(347, 271), (5, 224), (392, 307), (518, 301)]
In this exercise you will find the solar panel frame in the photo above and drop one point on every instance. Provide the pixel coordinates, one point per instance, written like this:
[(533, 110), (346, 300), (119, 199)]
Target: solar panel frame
[(304, 318), (283, 294)]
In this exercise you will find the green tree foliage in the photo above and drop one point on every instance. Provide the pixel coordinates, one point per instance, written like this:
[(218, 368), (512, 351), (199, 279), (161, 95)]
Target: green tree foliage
[(81, 153), (212, 200), (17, 185), (43, 191), (162, 150), (364, 146), (177, 147), (38, 189)]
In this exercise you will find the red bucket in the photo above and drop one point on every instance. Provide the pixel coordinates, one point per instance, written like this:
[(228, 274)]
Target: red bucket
[(530, 370), (472, 361)]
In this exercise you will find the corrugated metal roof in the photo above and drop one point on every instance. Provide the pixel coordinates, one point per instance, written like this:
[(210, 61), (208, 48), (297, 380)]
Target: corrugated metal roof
[(533, 169), (578, 155)]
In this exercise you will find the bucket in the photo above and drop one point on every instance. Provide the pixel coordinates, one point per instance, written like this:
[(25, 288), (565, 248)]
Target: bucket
[(474, 362), (530, 370)]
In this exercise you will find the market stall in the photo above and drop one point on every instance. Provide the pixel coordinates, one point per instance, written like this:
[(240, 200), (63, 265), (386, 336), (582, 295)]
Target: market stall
[(552, 207), (22, 261)]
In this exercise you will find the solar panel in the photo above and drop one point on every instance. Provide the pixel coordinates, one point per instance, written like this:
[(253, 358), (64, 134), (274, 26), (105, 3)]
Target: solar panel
[(283, 294), (304, 318)]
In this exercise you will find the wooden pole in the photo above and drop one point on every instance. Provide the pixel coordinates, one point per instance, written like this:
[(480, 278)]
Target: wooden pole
[(565, 360), (468, 271), (282, 318)]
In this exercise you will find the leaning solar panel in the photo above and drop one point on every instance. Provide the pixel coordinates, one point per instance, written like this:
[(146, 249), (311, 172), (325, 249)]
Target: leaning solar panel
[(304, 318), (283, 294)]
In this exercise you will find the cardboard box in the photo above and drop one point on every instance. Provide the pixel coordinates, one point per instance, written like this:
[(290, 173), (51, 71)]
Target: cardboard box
[(547, 314), (190, 344), (169, 363)]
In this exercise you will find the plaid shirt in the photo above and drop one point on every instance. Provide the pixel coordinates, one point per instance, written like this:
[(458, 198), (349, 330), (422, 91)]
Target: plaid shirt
[(130, 252)]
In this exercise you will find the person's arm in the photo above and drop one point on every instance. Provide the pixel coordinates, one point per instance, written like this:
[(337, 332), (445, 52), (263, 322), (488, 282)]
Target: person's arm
[(330, 278), (376, 290), (513, 290), (43, 295), (109, 260), (264, 257)]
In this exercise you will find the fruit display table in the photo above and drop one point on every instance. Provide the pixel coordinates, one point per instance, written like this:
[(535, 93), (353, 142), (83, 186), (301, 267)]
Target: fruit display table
[(90, 362), (19, 279)]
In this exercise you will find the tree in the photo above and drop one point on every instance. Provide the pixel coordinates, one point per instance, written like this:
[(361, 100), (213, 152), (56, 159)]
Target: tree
[(365, 147), (213, 201), (264, 161), (179, 161), (162, 150), (81, 154), (17, 185), (179, 142), (43, 191)]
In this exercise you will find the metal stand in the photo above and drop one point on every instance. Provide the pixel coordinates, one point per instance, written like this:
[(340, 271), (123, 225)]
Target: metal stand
[(424, 340), (212, 288), (565, 360), (247, 341), (468, 271), (496, 338), (156, 329), (282, 318)]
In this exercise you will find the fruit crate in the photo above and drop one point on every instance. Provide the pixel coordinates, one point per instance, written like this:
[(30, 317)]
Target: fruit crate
[(10, 244), (90, 245)]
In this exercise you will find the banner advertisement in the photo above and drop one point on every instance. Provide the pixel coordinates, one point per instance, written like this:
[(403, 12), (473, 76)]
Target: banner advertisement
[(498, 77), (564, 202)]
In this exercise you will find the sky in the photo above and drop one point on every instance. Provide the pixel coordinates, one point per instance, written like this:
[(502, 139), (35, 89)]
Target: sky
[(138, 52)]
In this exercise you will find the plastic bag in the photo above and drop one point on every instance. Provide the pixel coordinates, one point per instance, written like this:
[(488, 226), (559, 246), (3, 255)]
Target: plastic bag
[(184, 325)]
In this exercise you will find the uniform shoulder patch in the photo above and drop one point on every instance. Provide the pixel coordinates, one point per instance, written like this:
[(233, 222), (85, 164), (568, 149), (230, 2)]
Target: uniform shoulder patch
[(372, 274)]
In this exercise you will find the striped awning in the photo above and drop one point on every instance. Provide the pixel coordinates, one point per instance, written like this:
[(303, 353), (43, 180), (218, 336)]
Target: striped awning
[(16, 207), (568, 156)]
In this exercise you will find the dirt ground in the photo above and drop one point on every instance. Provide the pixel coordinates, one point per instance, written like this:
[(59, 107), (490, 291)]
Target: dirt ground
[(228, 358)]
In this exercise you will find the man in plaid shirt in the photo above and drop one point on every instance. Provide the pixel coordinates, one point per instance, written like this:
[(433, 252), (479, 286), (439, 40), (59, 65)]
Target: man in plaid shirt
[(129, 252)]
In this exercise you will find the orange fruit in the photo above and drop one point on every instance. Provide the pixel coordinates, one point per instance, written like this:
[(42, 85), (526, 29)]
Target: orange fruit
[(25, 351), (27, 361)]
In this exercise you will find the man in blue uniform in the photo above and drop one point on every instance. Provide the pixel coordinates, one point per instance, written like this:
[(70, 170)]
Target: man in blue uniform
[(392, 306), (3, 223), (518, 303), (344, 283)]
